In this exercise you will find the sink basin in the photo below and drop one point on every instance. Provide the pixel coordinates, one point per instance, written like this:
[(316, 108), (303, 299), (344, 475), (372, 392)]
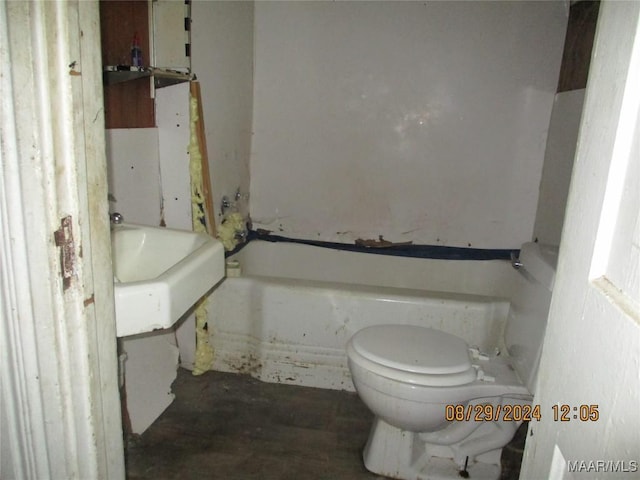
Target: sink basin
[(159, 274)]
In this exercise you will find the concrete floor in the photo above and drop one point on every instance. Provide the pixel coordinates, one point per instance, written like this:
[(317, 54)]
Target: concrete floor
[(233, 427)]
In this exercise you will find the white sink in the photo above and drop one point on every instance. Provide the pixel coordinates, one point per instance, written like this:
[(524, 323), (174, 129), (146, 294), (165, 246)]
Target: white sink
[(159, 274)]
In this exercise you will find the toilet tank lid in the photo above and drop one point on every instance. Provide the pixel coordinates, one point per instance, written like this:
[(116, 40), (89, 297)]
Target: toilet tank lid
[(413, 349)]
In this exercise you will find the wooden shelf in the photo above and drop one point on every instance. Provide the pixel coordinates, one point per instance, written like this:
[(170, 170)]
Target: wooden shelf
[(114, 74)]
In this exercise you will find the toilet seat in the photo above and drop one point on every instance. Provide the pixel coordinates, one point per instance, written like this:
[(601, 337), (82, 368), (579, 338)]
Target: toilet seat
[(413, 354)]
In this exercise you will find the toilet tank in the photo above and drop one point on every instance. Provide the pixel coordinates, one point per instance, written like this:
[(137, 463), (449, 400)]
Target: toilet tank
[(527, 321)]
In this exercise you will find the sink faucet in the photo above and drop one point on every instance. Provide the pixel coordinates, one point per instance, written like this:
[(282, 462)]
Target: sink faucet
[(116, 218)]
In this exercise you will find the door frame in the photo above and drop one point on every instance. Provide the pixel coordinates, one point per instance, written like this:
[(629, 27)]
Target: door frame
[(59, 399)]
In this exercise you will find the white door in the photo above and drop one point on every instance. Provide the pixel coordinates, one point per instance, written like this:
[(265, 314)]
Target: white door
[(589, 380)]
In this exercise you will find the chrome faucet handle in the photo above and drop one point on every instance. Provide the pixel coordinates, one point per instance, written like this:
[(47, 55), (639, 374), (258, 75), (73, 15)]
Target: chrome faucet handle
[(225, 204), (116, 218), (515, 261)]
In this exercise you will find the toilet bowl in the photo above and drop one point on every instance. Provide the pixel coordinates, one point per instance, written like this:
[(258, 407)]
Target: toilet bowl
[(443, 408)]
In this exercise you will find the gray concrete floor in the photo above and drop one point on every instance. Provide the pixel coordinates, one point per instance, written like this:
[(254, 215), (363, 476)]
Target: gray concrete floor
[(233, 427)]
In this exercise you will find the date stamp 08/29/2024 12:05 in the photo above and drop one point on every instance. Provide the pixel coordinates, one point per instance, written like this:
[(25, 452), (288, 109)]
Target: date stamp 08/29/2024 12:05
[(520, 413), (528, 413)]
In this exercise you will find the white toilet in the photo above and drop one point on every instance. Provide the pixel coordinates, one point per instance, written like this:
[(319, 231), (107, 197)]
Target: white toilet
[(423, 384)]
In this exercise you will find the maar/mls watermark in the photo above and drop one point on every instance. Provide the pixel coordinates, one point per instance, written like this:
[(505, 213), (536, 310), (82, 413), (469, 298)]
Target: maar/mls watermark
[(603, 466)]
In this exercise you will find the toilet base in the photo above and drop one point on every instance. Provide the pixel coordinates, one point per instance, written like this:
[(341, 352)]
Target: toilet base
[(400, 454)]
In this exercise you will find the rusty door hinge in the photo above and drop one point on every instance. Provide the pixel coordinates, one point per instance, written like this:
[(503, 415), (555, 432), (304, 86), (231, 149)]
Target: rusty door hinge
[(64, 239)]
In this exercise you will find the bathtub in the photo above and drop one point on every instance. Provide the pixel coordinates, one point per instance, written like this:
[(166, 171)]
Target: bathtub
[(290, 313)]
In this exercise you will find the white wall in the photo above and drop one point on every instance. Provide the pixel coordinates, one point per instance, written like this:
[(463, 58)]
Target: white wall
[(149, 167), (174, 131), (134, 174), (558, 165), (222, 59), (417, 121)]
